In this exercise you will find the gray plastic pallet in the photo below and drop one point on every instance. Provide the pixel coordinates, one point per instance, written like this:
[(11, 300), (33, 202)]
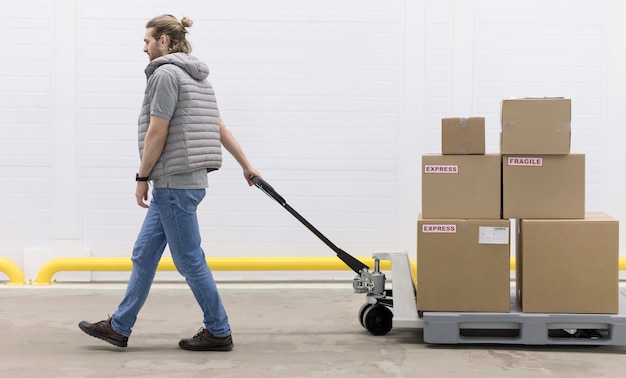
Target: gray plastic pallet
[(517, 327)]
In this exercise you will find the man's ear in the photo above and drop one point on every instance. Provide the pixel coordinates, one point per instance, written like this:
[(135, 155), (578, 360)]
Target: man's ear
[(164, 40)]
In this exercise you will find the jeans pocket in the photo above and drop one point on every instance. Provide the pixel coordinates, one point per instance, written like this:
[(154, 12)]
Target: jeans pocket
[(192, 197)]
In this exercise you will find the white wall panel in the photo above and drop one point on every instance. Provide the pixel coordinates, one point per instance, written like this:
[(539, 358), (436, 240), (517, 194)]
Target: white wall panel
[(334, 101), (26, 129)]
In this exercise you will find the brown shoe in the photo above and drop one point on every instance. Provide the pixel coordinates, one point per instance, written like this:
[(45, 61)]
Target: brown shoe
[(103, 331), (203, 340)]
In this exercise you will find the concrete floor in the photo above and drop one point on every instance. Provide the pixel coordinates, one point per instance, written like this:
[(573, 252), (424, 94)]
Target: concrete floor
[(279, 330)]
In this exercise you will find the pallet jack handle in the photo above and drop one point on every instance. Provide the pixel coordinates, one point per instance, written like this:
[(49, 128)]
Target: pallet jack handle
[(354, 264)]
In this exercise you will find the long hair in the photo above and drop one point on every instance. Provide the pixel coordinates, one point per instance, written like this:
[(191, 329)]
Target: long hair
[(175, 30)]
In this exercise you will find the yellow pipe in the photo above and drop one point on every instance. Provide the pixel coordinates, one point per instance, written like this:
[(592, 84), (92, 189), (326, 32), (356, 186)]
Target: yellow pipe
[(44, 277), (16, 277)]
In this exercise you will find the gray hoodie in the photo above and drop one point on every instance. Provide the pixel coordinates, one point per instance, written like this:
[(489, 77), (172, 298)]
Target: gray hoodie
[(177, 90)]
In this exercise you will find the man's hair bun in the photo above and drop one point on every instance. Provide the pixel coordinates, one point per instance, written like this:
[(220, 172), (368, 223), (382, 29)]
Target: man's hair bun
[(186, 22)]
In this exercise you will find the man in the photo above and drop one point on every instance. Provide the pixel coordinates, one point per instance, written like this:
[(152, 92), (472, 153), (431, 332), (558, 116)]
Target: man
[(180, 139)]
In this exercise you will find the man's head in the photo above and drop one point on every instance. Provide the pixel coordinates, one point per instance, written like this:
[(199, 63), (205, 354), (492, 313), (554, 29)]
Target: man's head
[(166, 35)]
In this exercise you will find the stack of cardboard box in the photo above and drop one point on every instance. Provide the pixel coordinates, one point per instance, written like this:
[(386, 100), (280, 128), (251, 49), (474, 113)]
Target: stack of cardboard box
[(540, 177), (566, 259), (463, 261)]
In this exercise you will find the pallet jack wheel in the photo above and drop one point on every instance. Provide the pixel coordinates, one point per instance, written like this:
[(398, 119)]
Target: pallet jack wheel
[(378, 319), (362, 310)]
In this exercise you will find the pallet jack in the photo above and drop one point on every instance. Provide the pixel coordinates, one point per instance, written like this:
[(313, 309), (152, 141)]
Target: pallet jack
[(458, 328), (375, 315)]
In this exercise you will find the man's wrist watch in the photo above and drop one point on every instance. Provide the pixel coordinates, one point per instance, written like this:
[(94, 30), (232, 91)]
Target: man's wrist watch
[(137, 178)]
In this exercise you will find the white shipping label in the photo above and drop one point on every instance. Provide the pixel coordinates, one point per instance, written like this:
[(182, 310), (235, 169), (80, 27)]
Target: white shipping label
[(441, 168), (493, 235)]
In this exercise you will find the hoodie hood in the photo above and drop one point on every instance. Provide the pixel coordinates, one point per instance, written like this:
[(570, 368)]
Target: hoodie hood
[(192, 65)]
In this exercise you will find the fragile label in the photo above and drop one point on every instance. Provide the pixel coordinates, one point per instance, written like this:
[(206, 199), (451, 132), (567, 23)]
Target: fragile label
[(439, 228), (441, 168), (525, 161), (493, 235)]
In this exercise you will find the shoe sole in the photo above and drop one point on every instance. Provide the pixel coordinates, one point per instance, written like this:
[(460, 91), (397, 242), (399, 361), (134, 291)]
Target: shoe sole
[(110, 340), (214, 348)]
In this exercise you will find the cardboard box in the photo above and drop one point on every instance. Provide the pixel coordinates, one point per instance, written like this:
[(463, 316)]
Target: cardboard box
[(543, 186), (463, 136), (536, 126), (463, 265), (461, 186), (568, 265)]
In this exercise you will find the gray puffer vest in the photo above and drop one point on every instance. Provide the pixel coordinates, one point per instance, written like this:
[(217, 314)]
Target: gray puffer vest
[(193, 140)]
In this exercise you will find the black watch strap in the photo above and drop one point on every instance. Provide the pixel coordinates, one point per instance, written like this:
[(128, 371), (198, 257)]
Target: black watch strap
[(137, 178)]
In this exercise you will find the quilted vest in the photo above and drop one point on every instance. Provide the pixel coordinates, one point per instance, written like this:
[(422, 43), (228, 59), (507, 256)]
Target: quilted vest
[(193, 139)]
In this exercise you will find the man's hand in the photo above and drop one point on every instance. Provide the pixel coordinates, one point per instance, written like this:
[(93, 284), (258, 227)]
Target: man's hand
[(142, 194), (249, 173)]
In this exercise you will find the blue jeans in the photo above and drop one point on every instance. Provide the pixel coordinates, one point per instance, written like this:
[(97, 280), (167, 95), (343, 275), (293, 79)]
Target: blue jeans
[(171, 219)]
